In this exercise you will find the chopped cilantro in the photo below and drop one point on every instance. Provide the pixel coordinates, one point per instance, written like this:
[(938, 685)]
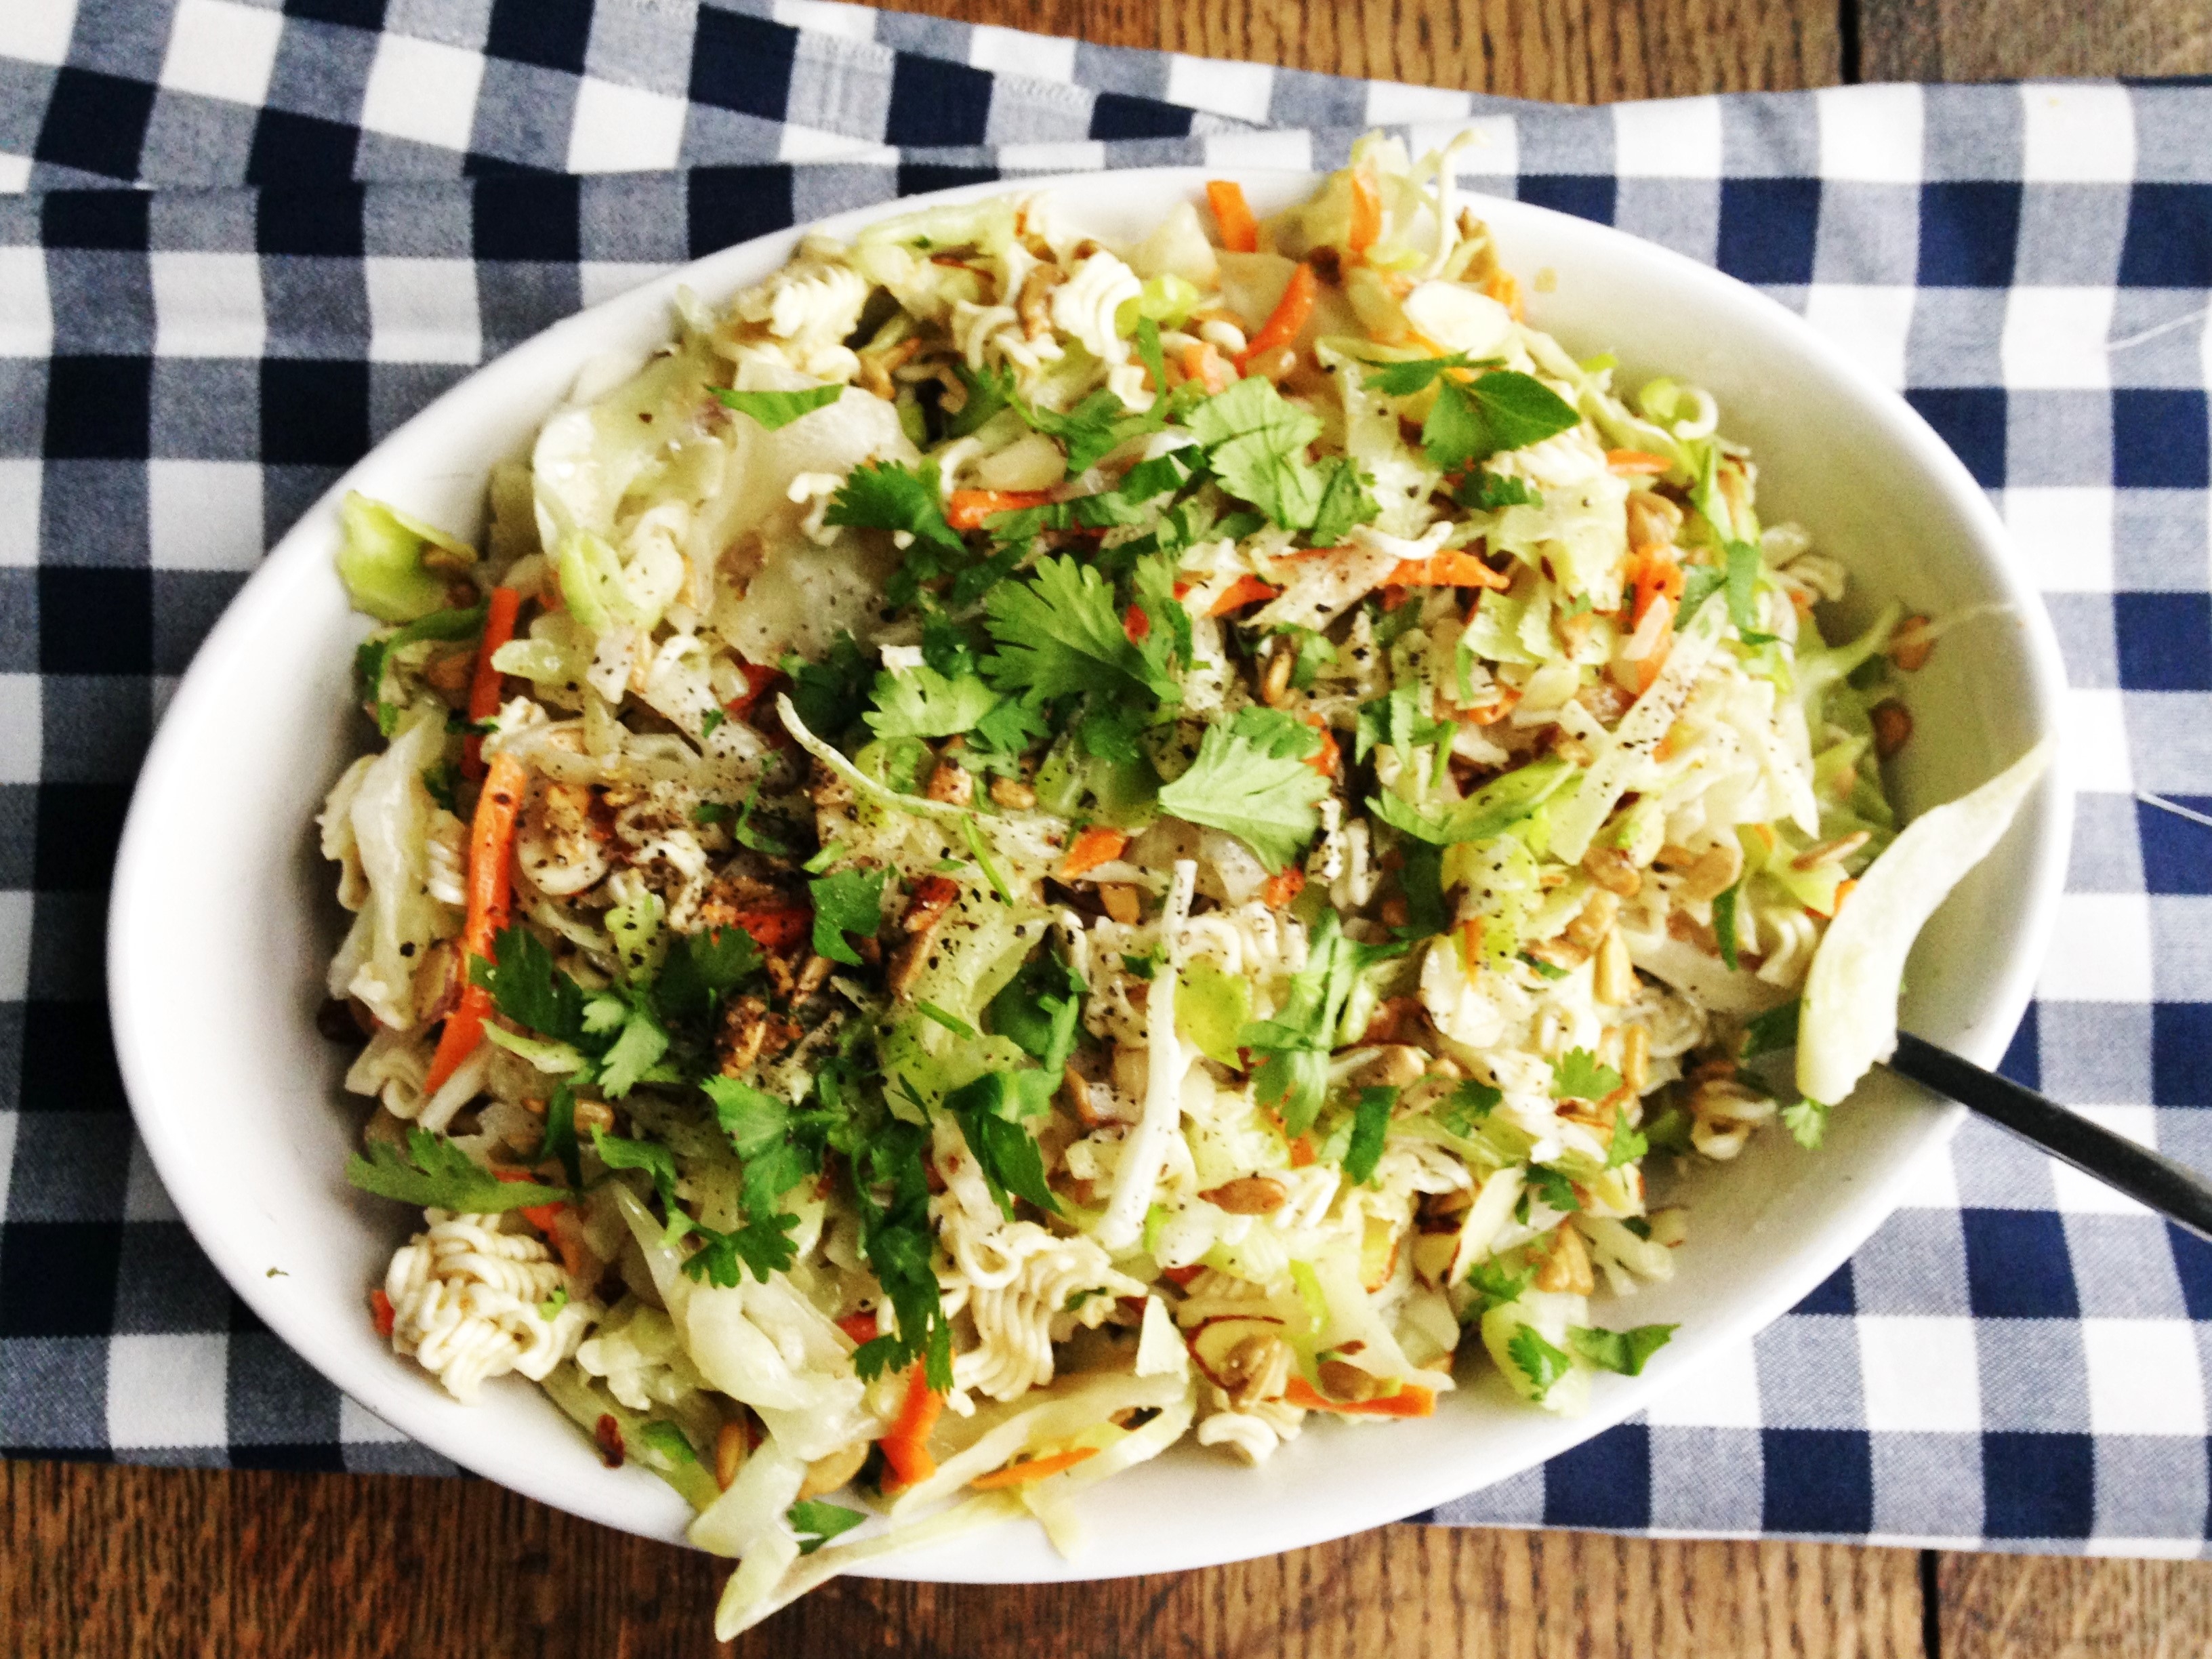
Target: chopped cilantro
[(619, 1152), (1490, 811), (1741, 581), (1504, 410), (374, 656), (703, 967), (1576, 1075), (1061, 633), (990, 1113), (762, 1246), (549, 1308), (850, 902), (1395, 718), (1539, 1361), (712, 811), (1627, 1146), (1252, 781), (1551, 1185), (1487, 492), (1724, 924), (1771, 1032), (559, 1140), (527, 988), (1404, 379), (1421, 879), (1624, 1352), (951, 1022), (758, 840), (1467, 1105), (898, 1241), (1807, 1121), (989, 391), (777, 409), (889, 495), (1346, 501), (1292, 1048), (1699, 583), (439, 781), (711, 721), (1256, 444), (1669, 1132), (824, 858), (1370, 1123), (1494, 1288), (1093, 427), (432, 1173), (817, 1521), (831, 691), (1039, 1009)]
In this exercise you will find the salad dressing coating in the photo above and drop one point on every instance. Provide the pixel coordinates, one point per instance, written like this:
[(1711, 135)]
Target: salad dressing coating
[(1111, 842)]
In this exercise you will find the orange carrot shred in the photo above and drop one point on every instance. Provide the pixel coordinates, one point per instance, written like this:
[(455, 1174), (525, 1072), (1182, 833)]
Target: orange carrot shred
[(381, 1313), (968, 509), (860, 1327), (1136, 624), (1239, 231), (1245, 590), (1288, 319), (1411, 1401), (1367, 212), (906, 1446), (1636, 460), (1302, 1151), (1453, 570), (491, 888), (1092, 848), (1035, 1468), (500, 608), (1279, 889)]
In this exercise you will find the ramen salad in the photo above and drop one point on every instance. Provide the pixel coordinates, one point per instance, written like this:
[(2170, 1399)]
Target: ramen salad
[(1018, 850)]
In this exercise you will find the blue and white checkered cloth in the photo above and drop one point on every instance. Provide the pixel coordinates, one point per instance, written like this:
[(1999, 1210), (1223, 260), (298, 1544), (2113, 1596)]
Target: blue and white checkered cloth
[(244, 242)]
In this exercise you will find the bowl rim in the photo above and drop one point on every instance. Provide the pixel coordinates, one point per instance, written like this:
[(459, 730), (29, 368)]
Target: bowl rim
[(133, 979)]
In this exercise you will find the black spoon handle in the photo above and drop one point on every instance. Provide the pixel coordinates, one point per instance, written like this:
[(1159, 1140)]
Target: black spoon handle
[(2172, 1189)]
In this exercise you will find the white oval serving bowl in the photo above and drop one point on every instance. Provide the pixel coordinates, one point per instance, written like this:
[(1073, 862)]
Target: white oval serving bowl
[(223, 917)]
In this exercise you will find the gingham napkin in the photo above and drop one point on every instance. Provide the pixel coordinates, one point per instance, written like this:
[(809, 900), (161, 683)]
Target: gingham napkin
[(2017, 1360)]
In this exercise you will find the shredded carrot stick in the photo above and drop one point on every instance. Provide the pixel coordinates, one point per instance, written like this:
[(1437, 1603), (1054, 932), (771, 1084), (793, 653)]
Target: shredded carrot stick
[(1655, 576), (1202, 363), (778, 927), (491, 889), (1647, 672), (1289, 318), (1095, 846), (1411, 1401), (968, 509), (539, 1216), (860, 1327), (500, 610), (1302, 1151), (759, 681), (1367, 212), (1239, 231), (1491, 713), (1136, 624), (381, 1313), (1182, 1275), (1843, 890), (1020, 1474), (1453, 570), (1279, 889), (1245, 590), (906, 1445), (1636, 460), (1324, 760)]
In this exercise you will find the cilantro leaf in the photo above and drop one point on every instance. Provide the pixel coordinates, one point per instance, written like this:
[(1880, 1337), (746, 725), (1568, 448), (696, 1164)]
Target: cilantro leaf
[(1553, 1187), (850, 902), (1624, 1352), (1293, 1046), (374, 656), (559, 1140), (1487, 492), (817, 1521), (1807, 1121), (753, 1119), (1539, 1361), (898, 1240), (671, 1442), (1494, 1288), (1504, 410), (776, 410), (1248, 781), (1627, 1146), (1404, 379), (701, 968), (1395, 718), (1490, 811), (634, 1053), (1370, 1123), (618, 1153), (1346, 501), (1148, 353), (1576, 1075), (890, 495), (921, 702), (1775, 1030), (830, 692), (1257, 442), (989, 1111), (762, 1246), (1095, 426), (1467, 1105), (1744, 562), (1013, 725), (1060, 632), (527, 988), (1038, 1010), (989, 391), (433, 1173), (1724, 924), (1699, 583)]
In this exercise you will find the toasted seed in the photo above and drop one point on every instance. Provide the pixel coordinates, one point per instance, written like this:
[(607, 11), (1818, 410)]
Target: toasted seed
[(1395, 912), (593, 1114), (827, 1473), (1275, 683), (1567, 1268), (1012, 794), (1252, 1194), (1613, 869), (951, 783), (1249, 1368), (1614, 983), (1132, 1069), (1569, 748), (1122, 901), (1595, 920), (1636, 1057), (1395, 1065), (1714, 871), (1831, 852), (730, 1448), (1910, 645), (1892, 727), (1342, 1379), (1562, 953)]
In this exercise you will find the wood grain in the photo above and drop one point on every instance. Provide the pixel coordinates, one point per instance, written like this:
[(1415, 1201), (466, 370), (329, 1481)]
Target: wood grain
[(1573, 50), (2005, 40), (161, 1563), (1996, 1606)]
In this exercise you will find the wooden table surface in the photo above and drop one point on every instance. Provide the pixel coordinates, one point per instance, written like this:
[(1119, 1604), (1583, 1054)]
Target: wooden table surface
[(112, 1561)]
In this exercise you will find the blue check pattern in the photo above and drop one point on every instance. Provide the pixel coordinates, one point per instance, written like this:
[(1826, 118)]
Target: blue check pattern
[(240, 241)]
